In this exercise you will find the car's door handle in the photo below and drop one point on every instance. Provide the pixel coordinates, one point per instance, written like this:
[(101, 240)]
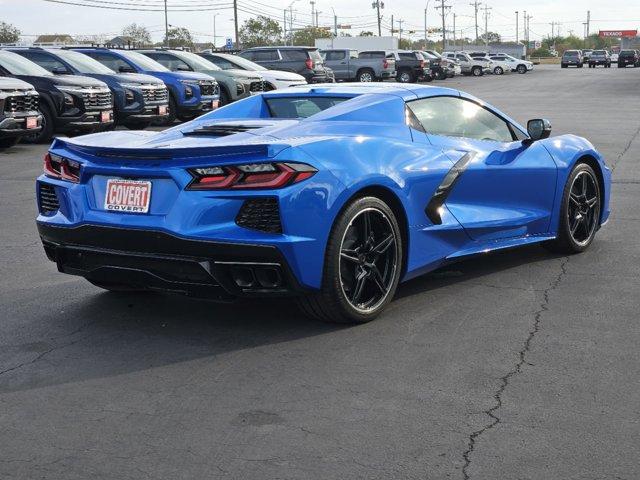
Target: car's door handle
[(343, 63)]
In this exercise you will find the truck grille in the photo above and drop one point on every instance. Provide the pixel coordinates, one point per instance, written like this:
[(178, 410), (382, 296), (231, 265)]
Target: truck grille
[(21, 103), (260, 214), (155, 94), (256, 87), (96, 99), (47, 198), (208, 88)]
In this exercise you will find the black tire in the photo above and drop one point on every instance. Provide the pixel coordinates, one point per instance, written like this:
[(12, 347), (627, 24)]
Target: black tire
[(441, 75), (563, 65), (224, 97), (8, 142), (138, 125), (498, 71), (116, 287), (477, 71), (579, 214), (376, 265), (46, 133), (172, 112), (366, 75), (405, 76), (580, 65), (521, 69)]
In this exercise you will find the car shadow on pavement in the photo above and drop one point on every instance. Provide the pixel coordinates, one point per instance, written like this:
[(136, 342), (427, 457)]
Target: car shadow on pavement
[(102, 334)]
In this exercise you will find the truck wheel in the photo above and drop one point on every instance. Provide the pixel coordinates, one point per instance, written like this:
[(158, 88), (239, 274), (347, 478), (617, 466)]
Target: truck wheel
[(404, 76), (45, 134), (365, 75), (224, 98)]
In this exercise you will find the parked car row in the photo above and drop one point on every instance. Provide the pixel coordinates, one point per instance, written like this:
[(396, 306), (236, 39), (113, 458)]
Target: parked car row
[(72, 90), (594, 58)]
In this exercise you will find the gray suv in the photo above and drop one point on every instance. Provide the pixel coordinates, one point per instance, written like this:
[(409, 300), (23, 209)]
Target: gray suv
[(305, 61)]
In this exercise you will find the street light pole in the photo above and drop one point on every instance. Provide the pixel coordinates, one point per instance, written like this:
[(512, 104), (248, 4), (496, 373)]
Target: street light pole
[(166, 25), (517, 14), (214, 30), (425, 23)]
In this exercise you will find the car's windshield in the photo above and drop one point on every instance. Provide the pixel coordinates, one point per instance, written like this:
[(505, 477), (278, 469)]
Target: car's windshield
[(18, 65), (83, 63), (300, 107), (142, 61), (243, 62), (196, 62)]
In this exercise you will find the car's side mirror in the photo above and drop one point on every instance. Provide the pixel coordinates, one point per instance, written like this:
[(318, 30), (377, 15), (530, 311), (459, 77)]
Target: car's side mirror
[(183, 68), (60, 71), (126, 69), (538, 129)]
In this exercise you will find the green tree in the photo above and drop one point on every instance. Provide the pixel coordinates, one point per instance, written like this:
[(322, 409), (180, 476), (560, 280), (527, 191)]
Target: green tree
[(138, 33), (8, 33), (492, 37), (404, 44), (307, 35), (179, 37), (259, 31), (365, 34)]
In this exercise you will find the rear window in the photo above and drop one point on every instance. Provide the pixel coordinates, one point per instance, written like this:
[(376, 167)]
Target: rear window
[(296, 55), (315, 56), (300, 107), (407, 55), (372, 55), (628, 53), (571, 53)]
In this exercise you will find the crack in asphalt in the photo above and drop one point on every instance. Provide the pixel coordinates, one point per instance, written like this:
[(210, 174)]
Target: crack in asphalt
[(626, 149), (504, 380)]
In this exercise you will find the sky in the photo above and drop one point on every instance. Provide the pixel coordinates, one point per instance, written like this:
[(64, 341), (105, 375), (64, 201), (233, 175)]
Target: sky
[(35, 17)]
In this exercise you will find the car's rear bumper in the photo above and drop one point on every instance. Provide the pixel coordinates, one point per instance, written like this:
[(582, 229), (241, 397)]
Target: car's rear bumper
[(155, 260)]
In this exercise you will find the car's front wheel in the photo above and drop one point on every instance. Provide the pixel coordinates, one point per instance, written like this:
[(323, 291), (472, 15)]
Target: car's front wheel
[(362, 267), (579, 211), (521, 69), (498, 71), (476, 71)]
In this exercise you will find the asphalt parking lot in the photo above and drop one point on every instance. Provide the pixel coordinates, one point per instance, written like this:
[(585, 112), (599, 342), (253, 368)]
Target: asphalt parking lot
[(519, 365)]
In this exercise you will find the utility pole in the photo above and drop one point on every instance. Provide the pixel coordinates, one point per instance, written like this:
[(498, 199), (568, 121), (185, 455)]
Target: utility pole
[(313, 12), (335, 25), (476, 4), (588, 21), (443, 7), (317, 15), (454, 32), (517, 15), (486, 24), (214, 29), (553, 24), (392, 25), (400, 30), (284, 26), (377, 5), (166, 25), (425, 23), (235, 22)]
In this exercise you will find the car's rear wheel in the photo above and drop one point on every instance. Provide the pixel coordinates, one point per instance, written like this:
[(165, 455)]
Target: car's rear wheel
[(498, 71), (366, 76), (579, 211), (405, 76), (363, 263)]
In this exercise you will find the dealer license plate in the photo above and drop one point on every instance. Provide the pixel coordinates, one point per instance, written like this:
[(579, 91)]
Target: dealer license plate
[(32, 122), (129, 196)]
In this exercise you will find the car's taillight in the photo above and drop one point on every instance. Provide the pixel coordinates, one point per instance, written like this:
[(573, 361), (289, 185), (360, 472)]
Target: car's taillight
[(421, 63), (385, 64), (61, 168), (249, 176), (309, 63)]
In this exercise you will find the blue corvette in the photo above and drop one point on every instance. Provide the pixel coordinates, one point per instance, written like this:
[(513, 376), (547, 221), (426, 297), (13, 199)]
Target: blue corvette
[(329, 193)]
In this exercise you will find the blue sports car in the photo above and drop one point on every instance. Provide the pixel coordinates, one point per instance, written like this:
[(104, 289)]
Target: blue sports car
[(332, 194)]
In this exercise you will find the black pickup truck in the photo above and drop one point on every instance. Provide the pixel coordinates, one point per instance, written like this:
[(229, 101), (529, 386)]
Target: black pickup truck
[(19, 113), (412, 67)]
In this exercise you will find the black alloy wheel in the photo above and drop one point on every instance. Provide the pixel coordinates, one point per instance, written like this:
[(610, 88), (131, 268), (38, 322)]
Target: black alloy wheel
[(584, 208), (368, 260), (579, 213), (363, 265)]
